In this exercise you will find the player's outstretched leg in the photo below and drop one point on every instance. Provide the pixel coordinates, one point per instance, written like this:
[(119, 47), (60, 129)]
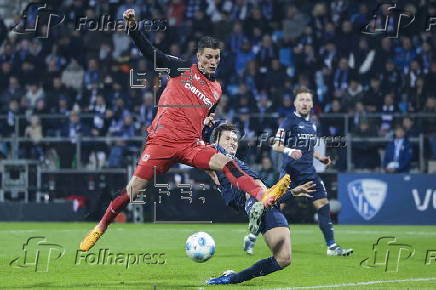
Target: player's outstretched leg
[(326, 226), (114, 208), (278, 240)]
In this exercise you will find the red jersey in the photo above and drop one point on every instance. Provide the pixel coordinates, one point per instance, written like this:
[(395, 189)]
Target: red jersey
[(183, 106)]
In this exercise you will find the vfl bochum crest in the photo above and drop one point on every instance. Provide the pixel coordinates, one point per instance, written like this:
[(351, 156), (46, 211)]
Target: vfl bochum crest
[(367, 196)]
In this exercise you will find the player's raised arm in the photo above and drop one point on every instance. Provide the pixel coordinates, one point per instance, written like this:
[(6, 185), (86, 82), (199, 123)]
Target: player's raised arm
[(279, 144), (147, 49)]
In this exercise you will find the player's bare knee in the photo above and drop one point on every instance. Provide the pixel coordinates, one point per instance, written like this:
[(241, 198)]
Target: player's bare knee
[(283, 259), (135, 186)]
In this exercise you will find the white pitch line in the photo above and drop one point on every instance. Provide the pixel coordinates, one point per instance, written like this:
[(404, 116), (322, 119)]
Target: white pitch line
[(357, 284), (305, 231)]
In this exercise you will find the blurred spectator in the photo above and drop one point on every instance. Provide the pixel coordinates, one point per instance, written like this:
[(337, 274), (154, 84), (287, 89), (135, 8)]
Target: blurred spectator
[(34, 93), (73, 130), (307, 61), (294, 23), (346, 39), (254, 24), (236, 38), (365, 154), (124, 129), (362, 60), (92, 74), (267, 52), (6, 73), (405, 54), (201, 24), (267, 173), (353, 94), (243, 57), (334, 126), (373, 98), (383, 53), (342, 76), (252, 77), (286, 107), (276, 77), (360, 18), (409, 128), (73, 74), (398, 154), (430, 84), (247, 125), (319, 18), (387, 118), (176, 12), (264, 111), (392, 80), (193, 6), (359, 116), (8, 126), (417, 95), (146, 111), (100, 123), (13, 91), (34, 131), (338, 10), (55, 91)]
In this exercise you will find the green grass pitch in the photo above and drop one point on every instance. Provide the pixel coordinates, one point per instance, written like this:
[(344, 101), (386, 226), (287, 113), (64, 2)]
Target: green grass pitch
[(311, 268)]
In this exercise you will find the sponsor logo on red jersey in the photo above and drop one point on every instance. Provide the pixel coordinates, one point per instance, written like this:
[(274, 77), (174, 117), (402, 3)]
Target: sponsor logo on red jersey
[(199, 94)]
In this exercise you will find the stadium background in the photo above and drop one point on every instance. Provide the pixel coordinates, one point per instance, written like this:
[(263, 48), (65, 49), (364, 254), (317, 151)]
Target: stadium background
[(71, 127)]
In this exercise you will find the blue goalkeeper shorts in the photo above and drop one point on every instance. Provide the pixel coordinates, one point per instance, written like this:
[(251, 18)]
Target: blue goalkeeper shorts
[(272, 217)]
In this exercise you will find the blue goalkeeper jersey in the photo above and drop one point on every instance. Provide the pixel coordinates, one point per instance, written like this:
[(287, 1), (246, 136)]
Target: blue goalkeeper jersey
[(298, 132)]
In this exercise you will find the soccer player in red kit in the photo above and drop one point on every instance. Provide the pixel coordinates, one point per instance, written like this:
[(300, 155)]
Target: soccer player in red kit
[(175, 135)]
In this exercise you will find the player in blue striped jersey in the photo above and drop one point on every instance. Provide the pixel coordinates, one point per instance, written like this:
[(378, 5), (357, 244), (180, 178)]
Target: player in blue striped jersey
[(296, 138), (273, 225)]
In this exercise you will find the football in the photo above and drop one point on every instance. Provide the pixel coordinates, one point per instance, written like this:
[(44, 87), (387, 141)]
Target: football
[(200, 247)]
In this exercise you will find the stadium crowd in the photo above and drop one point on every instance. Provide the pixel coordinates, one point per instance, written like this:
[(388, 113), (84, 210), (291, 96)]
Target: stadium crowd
[(268, 49)]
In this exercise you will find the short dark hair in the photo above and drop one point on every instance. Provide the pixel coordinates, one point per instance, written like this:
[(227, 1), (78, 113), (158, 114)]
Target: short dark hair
[(208, 42), (216, 133), (302, 90)]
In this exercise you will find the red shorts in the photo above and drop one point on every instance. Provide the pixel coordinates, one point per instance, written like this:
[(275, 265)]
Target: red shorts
[(160, 156)]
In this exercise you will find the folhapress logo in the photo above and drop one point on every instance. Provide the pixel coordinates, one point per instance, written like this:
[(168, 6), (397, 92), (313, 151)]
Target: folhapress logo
[(388, 20), (38, 254), (387, 253), (37, 20)]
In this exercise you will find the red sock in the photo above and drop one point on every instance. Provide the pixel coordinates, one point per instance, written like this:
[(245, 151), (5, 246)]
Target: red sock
[(114, 208), (242, 180)]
